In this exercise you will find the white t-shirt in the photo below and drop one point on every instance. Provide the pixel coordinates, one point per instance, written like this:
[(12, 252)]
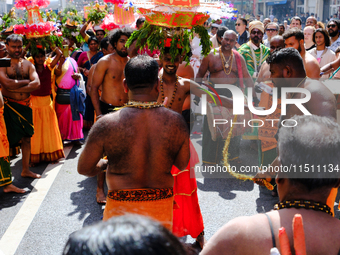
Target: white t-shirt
[(318, 55)]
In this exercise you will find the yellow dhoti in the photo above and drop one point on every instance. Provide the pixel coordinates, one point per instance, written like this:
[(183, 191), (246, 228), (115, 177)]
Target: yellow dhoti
[(154, 203)]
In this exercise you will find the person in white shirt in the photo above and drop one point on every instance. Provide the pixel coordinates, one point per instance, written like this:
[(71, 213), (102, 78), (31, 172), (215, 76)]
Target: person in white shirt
[(322, 54), (272, 29)]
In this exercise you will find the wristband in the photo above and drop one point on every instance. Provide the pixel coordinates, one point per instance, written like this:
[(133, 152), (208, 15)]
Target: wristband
[(100, 115)]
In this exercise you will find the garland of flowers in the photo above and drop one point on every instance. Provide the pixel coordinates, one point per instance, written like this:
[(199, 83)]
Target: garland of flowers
[(96, 15), (225, 153), (155, 37)]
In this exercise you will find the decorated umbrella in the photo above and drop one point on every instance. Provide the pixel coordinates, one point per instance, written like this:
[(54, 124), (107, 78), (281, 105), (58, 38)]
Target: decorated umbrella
[(35, 26), (171, 23), (122, 16)]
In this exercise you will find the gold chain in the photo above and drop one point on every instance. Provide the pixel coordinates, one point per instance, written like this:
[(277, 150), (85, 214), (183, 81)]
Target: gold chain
[(224, 62), (143, 105)]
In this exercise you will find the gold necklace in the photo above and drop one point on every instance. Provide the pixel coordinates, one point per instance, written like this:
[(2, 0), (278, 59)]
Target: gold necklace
[(143, 105), (225, 63), (173, 94)]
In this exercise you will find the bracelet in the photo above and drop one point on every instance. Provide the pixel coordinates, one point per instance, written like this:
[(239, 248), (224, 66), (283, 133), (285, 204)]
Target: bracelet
[(100, 115)]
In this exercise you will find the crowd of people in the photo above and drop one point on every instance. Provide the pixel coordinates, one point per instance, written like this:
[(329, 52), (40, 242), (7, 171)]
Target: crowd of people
[(136, 104)]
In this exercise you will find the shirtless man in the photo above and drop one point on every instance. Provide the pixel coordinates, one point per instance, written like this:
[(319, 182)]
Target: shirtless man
[(276, 43), (219, 74), (141, 146), (17, 82), (295, 38), (109, 74), (255, 235), (287, 70)]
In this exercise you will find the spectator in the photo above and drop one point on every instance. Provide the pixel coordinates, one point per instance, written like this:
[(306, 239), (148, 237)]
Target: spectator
[(271, 29), (333, 31), (241, 29), (308, 34), (296, 22)]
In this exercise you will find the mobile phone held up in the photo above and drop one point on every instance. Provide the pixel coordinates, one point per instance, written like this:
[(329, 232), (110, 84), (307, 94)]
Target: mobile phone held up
[(5, 62)]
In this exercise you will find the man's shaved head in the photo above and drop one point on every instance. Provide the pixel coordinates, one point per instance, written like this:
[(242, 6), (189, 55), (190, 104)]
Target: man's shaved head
[(277, 43), (228, 32)]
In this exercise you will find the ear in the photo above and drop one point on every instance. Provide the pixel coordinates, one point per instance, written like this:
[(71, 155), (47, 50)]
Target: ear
[(157, 87), (126, 89), (287, 72)]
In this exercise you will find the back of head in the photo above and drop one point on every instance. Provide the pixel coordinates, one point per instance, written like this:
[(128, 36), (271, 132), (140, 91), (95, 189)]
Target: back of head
[(288, 57), (221, 30), (104, 44), (124, 235), (90, 32), (294, 32), (13, 38), (117, 33), (314, 141), (141, 73), (140, 21)]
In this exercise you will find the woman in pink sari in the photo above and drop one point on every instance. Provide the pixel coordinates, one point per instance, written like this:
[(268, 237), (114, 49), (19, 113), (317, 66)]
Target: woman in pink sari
[(66, 76)]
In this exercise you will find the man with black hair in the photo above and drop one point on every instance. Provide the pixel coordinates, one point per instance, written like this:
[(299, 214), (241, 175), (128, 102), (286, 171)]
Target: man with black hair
[(333, 28), (217, 38), (241, 29), (109, 74), (295, 38), (140, 22), (313, 142), (130, 234), (139, 157), (17, 82)]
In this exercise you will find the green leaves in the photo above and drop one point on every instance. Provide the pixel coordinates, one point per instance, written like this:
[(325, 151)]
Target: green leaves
[(155, 36)]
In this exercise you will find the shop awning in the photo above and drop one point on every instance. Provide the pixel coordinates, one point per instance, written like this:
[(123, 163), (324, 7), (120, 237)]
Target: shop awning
[(277, 2)]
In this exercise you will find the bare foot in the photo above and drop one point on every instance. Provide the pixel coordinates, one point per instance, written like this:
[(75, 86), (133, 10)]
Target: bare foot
[(12, 188), (30, 174), (200, 240), (101, 198)]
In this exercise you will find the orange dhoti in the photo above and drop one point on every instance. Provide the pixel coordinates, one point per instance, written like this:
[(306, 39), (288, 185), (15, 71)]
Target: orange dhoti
[(154, 203), (188, 219), (46, 143)]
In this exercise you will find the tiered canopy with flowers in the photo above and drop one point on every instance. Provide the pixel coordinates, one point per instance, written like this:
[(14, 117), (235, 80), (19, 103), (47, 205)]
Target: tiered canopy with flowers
[(35, 26), (171, 23)]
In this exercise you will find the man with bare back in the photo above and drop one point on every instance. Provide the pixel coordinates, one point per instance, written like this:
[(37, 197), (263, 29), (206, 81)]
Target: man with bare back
[(17, 82), (109, 73), (142, 142), (226, 66)]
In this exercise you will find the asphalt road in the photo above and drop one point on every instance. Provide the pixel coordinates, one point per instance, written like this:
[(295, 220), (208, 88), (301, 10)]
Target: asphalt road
[(62, 201)]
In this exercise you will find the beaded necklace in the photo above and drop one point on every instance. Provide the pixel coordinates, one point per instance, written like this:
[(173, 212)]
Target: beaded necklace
[(173, 95), (225, 63), (306, 204), (143, 105)]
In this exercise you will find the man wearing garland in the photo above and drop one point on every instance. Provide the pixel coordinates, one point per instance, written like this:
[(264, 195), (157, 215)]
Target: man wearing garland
[(226, 66), (17, 82), (109, 74), (187, 218), (136, 183), (254, 52)]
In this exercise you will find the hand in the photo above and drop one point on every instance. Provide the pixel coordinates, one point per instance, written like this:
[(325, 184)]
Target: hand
[(260, 176), (101, 165), (86, 72), (76, 76), (62, 60)]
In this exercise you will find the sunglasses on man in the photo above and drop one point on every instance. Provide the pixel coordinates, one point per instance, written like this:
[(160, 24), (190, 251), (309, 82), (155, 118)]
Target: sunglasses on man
[(331, 26), (271, 29), (238, 24)]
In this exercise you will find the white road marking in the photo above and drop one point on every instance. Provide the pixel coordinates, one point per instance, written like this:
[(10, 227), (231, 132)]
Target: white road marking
[(16, 231)]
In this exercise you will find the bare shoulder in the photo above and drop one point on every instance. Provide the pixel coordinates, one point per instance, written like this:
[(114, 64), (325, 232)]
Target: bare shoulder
[(101, 127), (233, 236), (315, 86), (184, 82), (28, 63)]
